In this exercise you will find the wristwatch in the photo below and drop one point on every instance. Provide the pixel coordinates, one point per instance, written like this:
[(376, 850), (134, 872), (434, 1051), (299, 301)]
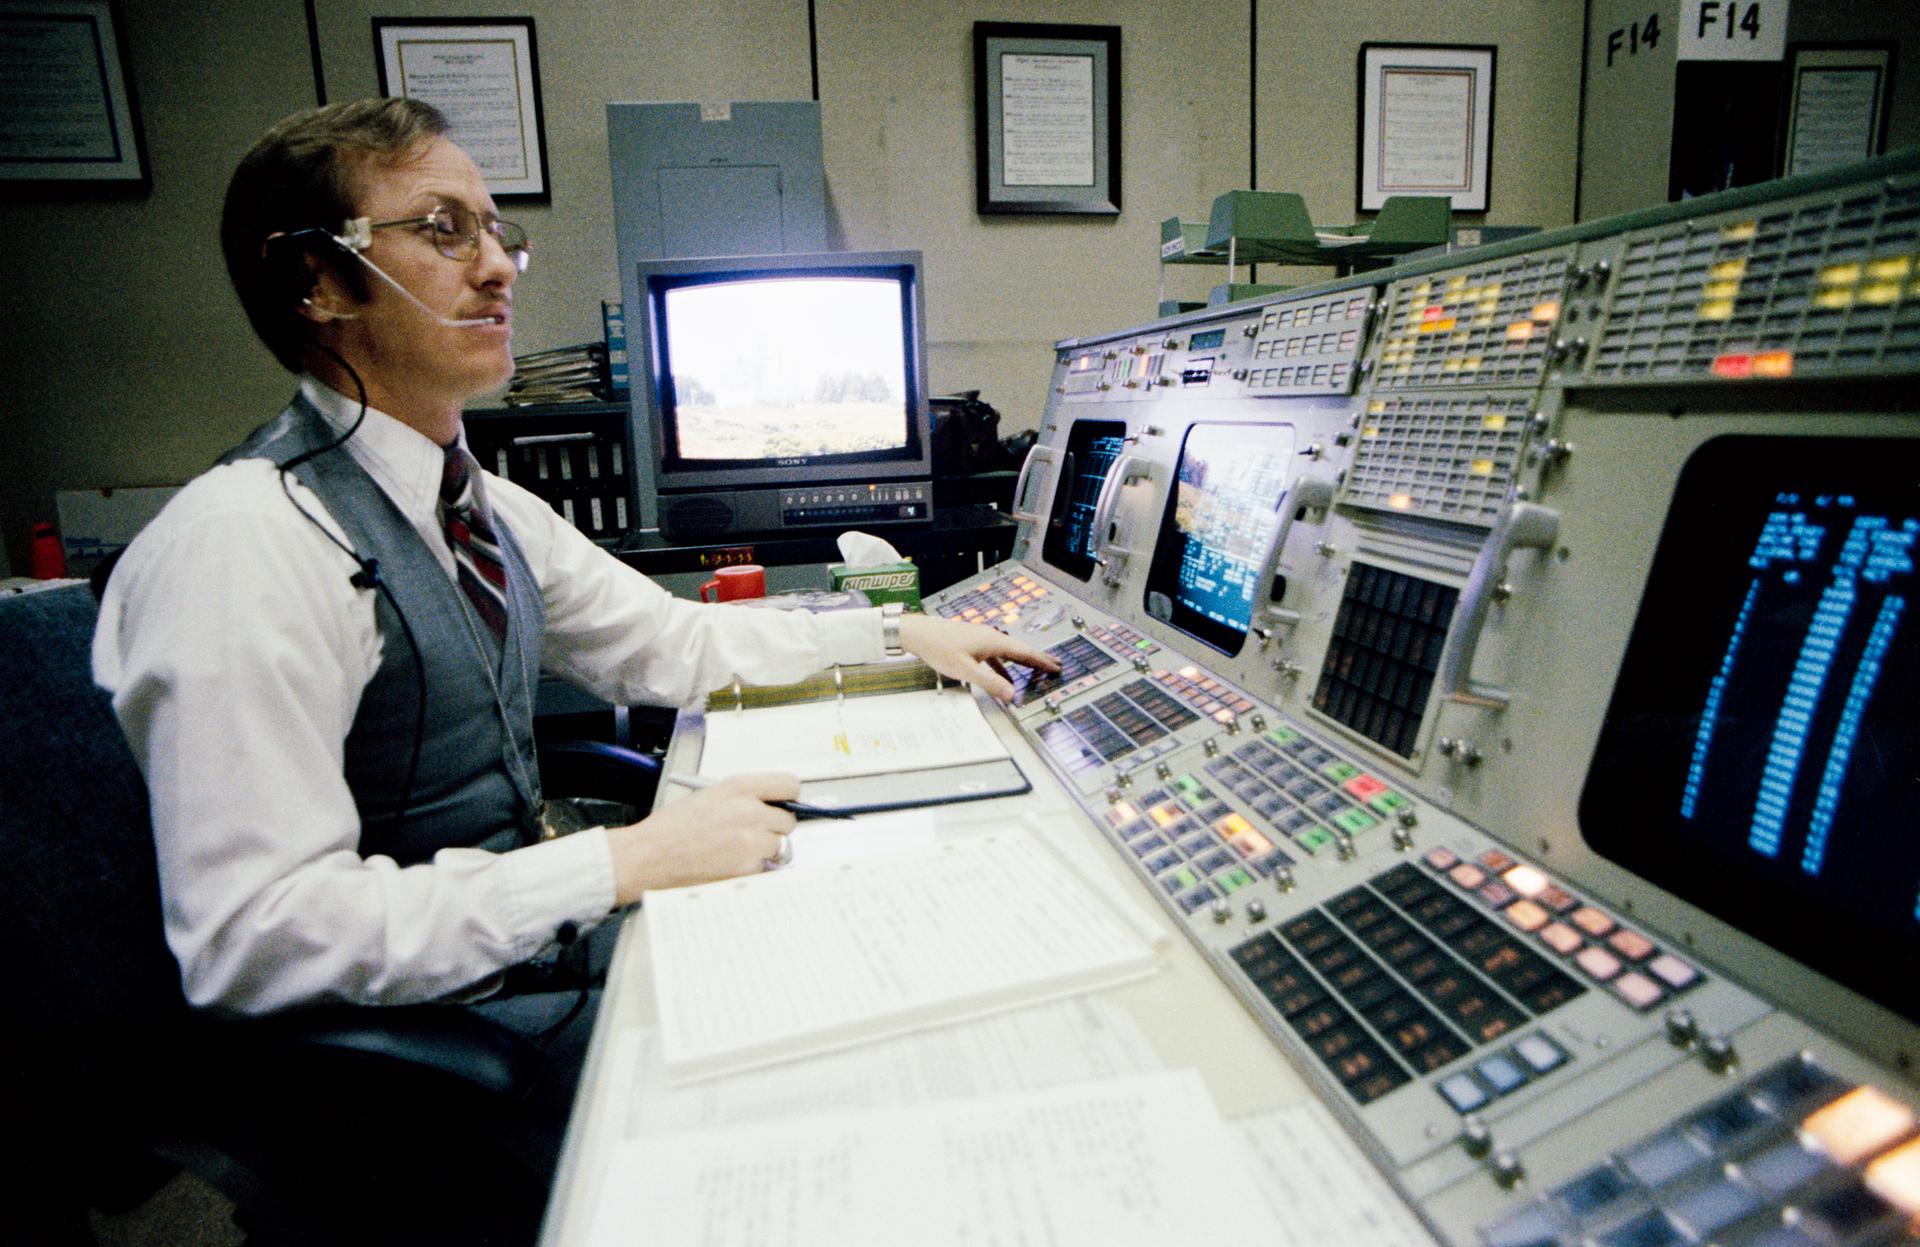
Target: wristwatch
[(890, 613)]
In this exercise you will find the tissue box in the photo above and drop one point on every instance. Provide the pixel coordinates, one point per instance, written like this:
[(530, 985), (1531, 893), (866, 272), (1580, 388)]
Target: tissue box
[(883, 582)]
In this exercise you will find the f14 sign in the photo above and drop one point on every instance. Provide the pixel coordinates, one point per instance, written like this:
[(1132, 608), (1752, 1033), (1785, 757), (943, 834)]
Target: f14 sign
[(1733, 30)]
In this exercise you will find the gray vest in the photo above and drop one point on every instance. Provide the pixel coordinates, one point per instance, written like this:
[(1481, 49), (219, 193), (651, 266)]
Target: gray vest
[(478, 779)]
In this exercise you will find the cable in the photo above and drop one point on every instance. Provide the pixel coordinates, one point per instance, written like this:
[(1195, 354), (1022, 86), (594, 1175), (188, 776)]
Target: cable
[(368, 577)]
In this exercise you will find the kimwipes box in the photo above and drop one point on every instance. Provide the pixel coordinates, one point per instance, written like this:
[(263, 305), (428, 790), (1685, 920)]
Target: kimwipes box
[(883, 582)]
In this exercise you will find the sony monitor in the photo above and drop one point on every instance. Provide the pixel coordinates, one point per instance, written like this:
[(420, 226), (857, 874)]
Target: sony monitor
[(782, 392)]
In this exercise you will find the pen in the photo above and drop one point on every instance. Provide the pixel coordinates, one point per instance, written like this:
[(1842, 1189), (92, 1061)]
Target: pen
[(799, 809)]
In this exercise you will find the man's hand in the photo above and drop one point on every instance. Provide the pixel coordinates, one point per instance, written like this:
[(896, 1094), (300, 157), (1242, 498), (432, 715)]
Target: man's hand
[(711, 833), (971, 652)]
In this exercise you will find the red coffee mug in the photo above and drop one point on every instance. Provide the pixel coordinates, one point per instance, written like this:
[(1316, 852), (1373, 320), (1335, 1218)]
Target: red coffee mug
[(731, 584)]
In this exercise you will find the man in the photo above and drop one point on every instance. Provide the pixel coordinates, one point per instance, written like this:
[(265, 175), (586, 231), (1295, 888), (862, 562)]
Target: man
[(323, 652)]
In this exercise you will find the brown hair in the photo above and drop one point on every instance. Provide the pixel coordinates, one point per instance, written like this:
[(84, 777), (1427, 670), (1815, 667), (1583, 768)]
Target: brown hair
[(304, 173)]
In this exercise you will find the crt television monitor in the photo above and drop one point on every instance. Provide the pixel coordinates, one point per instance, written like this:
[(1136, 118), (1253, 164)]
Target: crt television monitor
[(1221, 519), (1759, 755), (773, 372)]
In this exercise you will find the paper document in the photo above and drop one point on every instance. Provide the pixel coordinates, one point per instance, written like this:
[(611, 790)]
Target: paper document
[(1046, 1045), (842, 737), (1319, 1185), (821, 842), (770, 967), (1142, 1161)]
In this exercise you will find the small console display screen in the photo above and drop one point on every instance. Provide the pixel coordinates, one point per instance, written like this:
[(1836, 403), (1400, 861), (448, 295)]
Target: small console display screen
[(1092, 446), (1221, 518), (1759, 756)]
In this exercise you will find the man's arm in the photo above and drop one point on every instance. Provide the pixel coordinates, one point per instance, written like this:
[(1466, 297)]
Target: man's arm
[(235, 651)]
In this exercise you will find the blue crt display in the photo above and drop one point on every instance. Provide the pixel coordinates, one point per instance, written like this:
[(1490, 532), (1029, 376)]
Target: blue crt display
[(1760, 754), (1225, 509)]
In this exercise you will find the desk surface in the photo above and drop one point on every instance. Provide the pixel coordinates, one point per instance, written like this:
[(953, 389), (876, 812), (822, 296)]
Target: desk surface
[(1187, 1014)]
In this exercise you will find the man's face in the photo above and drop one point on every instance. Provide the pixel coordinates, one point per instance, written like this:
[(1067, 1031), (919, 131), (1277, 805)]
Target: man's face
[(402, 351)]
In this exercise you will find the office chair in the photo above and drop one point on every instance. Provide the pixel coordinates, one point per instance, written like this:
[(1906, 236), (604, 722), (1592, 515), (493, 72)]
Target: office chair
[(324, 1126)]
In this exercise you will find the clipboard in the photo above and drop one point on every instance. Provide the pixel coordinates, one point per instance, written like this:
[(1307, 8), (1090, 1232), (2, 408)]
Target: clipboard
[(905, 790)]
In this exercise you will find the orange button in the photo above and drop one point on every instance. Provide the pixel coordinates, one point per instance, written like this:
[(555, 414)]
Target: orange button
[(1895, 1178), (1858, 1124), (1526, 881), (1631, 944), (1233, 825), (1562, 938), (1592, 921), (1526, 915), (1467, 875)]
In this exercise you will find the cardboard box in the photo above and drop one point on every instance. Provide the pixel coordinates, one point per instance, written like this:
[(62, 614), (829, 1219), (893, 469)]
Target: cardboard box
[(883, 582)]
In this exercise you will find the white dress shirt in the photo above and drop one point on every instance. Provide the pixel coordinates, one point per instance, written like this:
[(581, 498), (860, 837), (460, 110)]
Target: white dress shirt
[(236, 652)]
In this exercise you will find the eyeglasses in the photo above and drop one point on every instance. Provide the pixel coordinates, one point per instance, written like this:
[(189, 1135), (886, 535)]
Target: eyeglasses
[(455, 233)]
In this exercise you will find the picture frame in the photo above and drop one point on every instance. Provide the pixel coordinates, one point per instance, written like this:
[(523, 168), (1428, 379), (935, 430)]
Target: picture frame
[(1046, 107), (484, 74), (1837, 97), (73, 117), (1425, 123)]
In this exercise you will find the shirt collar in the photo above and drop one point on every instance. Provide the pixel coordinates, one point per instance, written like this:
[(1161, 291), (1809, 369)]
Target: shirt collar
[(404, 462)]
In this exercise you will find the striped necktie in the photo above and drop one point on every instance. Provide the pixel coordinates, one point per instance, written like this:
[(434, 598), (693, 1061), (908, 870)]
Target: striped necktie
[(476, 552)]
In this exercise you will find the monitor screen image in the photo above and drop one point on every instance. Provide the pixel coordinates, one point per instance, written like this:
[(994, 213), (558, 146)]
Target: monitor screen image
[(1221, 518), (786, 366), (1759, 757), (1092, 448)]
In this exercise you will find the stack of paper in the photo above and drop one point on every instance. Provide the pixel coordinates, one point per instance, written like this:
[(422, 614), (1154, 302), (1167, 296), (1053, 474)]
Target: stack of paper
[(1136, 1162), (843, 737), (757, 970)]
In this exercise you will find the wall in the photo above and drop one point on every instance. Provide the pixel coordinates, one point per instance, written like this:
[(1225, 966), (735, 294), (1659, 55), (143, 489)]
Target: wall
[(1629, 114), (137, 366)]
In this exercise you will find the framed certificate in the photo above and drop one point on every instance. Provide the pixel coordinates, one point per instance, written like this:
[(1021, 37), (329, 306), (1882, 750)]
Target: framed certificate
[(70, 113), (1837, 105), (484, 74), (1426, 123), (1046, 109)]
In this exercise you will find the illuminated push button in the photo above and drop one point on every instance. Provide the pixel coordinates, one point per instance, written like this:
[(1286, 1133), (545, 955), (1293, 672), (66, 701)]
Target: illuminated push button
[(1496, 861), (1364, 787), (1463, 1092), (1501, 1073), (1557, 898), (1638, 990), (1672, 971), (1527, 881), (1121, 813), (1467, 875), (1858, 1124), (1562, 939), (1441, 859), (1631, 944), (1540, 1053), (1526, 915), (1593, 922), (1895, 1178), (1598, 964), (1495, 893)]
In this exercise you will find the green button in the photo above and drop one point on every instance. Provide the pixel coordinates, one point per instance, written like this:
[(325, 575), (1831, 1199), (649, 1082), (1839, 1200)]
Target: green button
[(1389, 802), (1339, 772), (1186, 783), (1232, 881), (1315, 840), (1184, 878), (1143, 645), (1353, 820), (1281, 735)]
